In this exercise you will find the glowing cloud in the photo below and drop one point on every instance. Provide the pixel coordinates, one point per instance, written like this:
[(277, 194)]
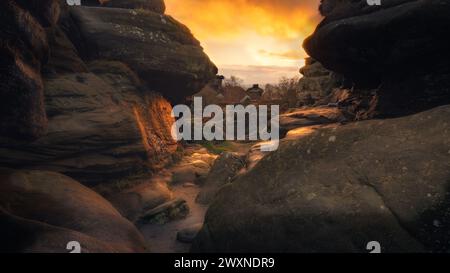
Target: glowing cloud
[(249, 32)]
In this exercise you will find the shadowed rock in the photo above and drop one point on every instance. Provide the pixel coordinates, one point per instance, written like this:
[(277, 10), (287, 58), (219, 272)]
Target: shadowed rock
[(398, 47), (162, 51), (337, 189), (23, 50), (157, 6), (43, 211), (224, 170), (100, 128)]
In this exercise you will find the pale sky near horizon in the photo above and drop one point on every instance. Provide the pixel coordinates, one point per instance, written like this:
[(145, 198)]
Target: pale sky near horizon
[(257, 40)]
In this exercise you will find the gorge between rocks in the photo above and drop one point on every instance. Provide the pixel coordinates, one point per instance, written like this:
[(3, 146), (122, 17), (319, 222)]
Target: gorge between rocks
[(87, 152)]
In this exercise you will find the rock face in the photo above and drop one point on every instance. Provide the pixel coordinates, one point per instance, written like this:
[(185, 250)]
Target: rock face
[(309, 117), (398, 47), (79, 97), (100, 128), (317, 82), (64, 56), (22, 113), (43, 211), (164, 52), (103, 121), (223, 172), (157, 6), (338, 189)]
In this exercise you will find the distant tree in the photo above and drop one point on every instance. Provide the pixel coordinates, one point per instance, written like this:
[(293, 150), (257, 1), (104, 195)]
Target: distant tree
[(288, 87), (287, 84), (233, 81)]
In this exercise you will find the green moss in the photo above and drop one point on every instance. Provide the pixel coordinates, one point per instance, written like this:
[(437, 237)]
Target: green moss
[(217, 147)]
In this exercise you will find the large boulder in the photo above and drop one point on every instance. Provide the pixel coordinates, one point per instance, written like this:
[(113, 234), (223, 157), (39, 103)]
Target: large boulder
[(398, 47), (337, 189), (162, 51), (224, 170), (348, 39), (23, 50), (44, 211), (102, 126)]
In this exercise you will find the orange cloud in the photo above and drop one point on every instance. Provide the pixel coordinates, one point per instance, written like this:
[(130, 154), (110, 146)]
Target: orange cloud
[(290, 55), (249, 32)]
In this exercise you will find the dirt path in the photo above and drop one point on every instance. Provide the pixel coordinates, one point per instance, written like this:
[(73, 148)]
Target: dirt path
[(198, 160), (163, 238)]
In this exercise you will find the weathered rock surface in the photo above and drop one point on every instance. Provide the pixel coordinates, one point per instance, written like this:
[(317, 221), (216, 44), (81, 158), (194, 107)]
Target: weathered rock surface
[(169, 211), (398, 47), (340, 188), (224, 170), (64, 57), (43, 211), (100, 127), (101, 120), (348, 39), (157, 6), (143, 197), (164, 52), (317, 82), (70, 83), (309, 116), (23, 50), (188, 234)]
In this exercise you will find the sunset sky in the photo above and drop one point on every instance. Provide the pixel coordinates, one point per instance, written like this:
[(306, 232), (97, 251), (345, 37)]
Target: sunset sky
[(257, 40)]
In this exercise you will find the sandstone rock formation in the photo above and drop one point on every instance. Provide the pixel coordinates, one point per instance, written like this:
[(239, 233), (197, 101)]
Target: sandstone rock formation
[(223, 172), (105, 120), (79, 90), (99, 128), (157, 6), (310, 116), (338, 189), (22, 113), (398, 47), (159, 49), (43, 211), (317, 82)]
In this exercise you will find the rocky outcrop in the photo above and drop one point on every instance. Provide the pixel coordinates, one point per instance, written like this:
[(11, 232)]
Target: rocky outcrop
[(100, 127), (337, 189), (348, 39), (159, 49), (157, 6), (398, 47), (317, 82), (79, 97), (23, 50), (104, 122), (44, 211)]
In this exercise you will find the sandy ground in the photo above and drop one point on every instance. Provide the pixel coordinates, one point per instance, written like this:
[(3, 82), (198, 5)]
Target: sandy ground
[(163, 238)]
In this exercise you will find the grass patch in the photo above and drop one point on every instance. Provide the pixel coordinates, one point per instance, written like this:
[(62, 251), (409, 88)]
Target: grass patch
[(217, 147)]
